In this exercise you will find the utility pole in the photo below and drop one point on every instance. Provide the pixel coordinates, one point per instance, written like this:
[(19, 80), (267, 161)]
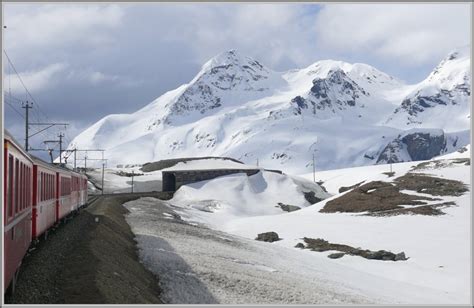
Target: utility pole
[(51, 155), (74, 159), (103, 188), (61, 135), (85, 164), (391, 158), (48, 125), (26, 106), (133, 173)]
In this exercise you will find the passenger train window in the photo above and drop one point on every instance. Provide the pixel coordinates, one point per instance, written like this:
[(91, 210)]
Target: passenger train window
[(22, 187), (10, 186), (17, 166), (42, 185), (28, 185), (50, 186)]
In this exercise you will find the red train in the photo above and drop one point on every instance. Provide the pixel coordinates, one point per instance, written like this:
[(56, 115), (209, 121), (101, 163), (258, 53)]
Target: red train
[(37, 196)]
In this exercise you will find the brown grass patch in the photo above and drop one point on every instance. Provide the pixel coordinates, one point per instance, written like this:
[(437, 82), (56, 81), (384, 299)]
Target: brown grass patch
[(423, 183), (373, 197)]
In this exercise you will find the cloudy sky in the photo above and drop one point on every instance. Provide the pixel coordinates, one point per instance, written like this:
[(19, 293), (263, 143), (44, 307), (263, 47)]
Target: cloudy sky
[(82, 62)]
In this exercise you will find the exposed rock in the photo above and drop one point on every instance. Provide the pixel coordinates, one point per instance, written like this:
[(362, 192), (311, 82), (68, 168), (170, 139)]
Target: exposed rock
[(379, 255), (336, 255), (268, 237), (421, 146), (418, 145), (288, 207), (400, 256), (335, 92), (323, 245), (310, 196), (300, 245)]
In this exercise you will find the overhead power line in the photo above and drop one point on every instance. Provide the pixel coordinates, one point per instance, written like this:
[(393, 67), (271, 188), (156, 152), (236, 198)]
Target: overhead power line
[(14, 109)]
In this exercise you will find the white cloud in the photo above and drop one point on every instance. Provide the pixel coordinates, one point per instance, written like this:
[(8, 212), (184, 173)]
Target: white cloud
[(55, 25), (273, 33), (412, 33), (35, 80)]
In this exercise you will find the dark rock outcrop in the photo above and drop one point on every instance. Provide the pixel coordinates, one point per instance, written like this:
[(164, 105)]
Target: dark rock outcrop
[(336, 255), (268, 237), (421, 145), (310, 196), (299, 245), (321, 245), (288, 207)]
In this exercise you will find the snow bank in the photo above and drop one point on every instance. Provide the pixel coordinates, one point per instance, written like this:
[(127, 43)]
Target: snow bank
[(216, 201), (438, 247)]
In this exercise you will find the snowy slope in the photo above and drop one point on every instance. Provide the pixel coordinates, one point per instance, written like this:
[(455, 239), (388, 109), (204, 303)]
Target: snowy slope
[(438, 247), (442, 100), (236, 107)]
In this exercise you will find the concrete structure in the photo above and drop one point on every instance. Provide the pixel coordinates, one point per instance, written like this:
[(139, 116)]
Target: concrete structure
[(174, 179)]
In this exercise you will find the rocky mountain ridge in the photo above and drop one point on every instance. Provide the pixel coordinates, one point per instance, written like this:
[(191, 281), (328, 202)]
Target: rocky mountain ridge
[(345, 114)]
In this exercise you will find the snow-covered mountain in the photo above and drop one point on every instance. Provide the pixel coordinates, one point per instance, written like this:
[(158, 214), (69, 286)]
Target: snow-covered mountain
[(345, 114), (442, 99)]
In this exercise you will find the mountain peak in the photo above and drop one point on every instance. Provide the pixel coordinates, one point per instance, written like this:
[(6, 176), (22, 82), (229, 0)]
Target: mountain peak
[(458, 53), (231, 58)]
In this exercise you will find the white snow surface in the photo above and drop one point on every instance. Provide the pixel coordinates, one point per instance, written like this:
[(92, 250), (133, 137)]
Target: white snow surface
[(203, 164), (438, 247), (236, 107), (238, 195)]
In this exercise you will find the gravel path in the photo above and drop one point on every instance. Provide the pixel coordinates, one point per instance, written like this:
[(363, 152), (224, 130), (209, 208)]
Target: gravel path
[(197, 265), (88, 262)]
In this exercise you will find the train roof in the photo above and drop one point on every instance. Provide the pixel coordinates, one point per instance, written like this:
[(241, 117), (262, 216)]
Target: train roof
[(58, 167), (9, 137), (35, 159)]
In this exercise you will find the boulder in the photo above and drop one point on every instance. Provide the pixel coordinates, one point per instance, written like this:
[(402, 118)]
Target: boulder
[(310, 196), (336, 255), (268, 237), (288, 207), (400, 256), (300, 245), (380, 255)]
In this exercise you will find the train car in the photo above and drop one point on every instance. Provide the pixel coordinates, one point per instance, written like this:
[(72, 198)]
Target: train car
[(37, 195), (17, 207), (76, 188), (44, 198), (64, 205)]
